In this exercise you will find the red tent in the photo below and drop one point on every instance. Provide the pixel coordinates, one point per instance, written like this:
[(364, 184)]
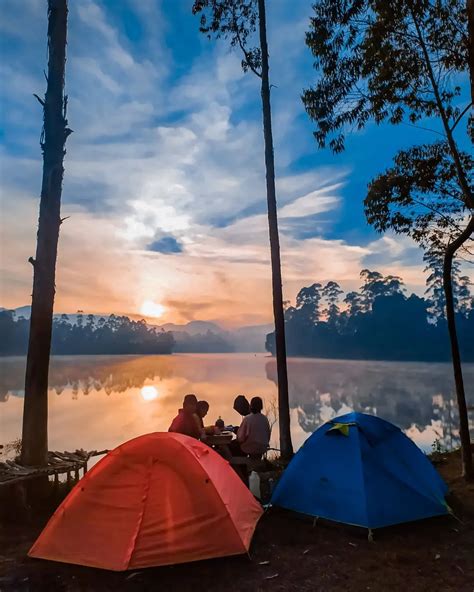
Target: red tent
[(159, 499)]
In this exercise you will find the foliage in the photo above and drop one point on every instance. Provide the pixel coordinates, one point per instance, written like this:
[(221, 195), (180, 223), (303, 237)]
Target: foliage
[(378, 322), (397, 62), (420, 195), (235, 20), (373, 66)]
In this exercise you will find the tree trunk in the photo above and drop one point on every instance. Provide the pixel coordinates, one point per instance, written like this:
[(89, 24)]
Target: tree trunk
[(466, 453), (286, 447), (55, 131)]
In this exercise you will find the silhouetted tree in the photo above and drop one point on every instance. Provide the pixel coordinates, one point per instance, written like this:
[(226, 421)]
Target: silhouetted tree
[(238, 21), (376, 284), (380, 332), (332, 292), (393, 61), (307, 303), (354, 303), (435, 291), (53, 139)]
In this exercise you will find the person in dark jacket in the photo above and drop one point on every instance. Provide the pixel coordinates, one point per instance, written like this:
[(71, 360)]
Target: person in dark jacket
[(186, 422)]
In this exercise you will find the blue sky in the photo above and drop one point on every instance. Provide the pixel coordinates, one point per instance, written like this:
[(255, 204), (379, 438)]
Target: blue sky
[(164, 179)]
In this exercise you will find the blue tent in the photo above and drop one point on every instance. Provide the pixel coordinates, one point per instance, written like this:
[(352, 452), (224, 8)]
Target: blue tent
[(362, 470)]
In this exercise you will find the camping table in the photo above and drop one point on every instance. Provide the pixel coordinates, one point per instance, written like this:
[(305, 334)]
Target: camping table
[(220, 443)]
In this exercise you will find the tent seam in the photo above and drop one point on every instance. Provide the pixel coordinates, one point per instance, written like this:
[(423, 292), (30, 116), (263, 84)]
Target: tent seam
[(142, 514), (366, 505)]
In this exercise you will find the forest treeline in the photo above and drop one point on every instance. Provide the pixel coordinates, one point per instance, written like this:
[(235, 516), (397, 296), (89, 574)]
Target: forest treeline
[(378, 322), (87, 335), (113, 335)]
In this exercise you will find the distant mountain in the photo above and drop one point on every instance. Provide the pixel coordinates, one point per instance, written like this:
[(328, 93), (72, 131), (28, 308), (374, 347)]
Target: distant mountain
[(251, 338), (194, 327)]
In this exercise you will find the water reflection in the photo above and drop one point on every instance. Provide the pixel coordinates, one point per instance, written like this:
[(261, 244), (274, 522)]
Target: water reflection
[(149, 393), (100, 401), (417, 397)]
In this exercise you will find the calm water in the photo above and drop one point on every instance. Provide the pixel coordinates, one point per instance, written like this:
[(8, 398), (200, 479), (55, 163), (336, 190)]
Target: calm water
[(99, 402)]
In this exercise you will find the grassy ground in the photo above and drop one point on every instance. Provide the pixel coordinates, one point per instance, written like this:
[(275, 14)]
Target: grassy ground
[(287, 553)]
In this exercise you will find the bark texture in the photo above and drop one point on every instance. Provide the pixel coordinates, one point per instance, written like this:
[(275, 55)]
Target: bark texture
[(466, 453), (53, 140)]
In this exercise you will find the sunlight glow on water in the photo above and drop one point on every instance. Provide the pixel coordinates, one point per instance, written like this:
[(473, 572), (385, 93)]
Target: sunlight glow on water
[(149, 393)]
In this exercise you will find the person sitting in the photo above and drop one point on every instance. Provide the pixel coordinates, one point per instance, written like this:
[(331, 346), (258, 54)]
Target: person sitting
[(253, 435), (202, 410), (186, 421), (241, 405)]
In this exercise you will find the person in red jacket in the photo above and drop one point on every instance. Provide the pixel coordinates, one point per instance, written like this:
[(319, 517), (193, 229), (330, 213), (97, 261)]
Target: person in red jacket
[(186, 422)]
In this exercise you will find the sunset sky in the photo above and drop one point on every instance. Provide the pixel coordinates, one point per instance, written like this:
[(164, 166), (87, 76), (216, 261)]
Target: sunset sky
[(164, 173)]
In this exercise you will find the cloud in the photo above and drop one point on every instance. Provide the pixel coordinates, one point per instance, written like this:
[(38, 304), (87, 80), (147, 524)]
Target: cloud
[(167, 244), (168, 158)]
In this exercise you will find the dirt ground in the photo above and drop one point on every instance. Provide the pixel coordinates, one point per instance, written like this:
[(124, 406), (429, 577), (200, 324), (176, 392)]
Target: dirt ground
[(288, 553)]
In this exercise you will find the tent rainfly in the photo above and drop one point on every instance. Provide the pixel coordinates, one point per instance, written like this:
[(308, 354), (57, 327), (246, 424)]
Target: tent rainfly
[(159, 499), (361, 470)]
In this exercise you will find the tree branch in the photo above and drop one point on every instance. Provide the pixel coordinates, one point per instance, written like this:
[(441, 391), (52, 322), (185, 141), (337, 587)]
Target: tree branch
[(452, 145), (452, 247), (248, 59), (458, 119)]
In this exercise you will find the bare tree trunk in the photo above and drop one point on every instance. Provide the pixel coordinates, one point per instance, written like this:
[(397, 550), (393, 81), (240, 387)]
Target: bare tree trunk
[(55, 132), (466, 453), (286, 447)]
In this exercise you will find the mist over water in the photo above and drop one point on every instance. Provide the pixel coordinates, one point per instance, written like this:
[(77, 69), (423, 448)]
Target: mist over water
[(98, 402)]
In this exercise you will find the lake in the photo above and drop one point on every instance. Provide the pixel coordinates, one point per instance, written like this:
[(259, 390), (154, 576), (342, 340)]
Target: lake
[(98, 402)]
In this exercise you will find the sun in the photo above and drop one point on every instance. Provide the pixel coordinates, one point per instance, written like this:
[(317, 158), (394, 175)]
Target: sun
[(149, 393), (152, 309)]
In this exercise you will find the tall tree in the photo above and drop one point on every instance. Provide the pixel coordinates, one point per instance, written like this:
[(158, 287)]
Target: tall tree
[(332, 292), (434, 286), (307, 303), (238, 21), (394, 61), (53, 140)]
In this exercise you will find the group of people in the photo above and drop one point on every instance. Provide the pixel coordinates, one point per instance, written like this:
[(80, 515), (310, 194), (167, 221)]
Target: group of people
[(252, 436)]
